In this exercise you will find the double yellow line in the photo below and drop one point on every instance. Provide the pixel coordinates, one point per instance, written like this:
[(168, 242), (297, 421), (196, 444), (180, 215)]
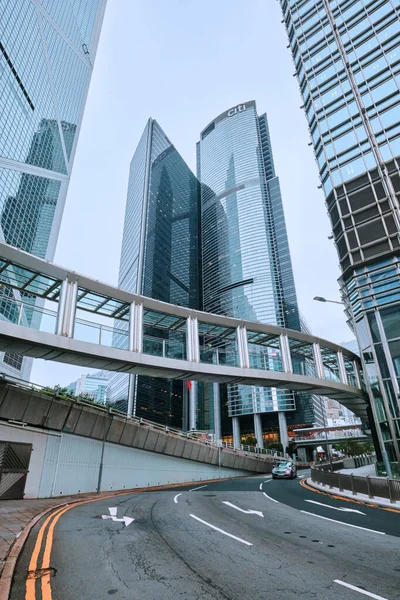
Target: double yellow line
[(45, 540)]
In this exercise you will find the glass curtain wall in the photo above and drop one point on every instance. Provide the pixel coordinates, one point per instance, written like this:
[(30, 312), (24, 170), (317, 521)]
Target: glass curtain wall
[(347, 61), (47, 51), (247, 271), (160, 258)]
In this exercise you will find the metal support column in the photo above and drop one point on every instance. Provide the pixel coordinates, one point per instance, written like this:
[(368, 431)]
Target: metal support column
[(258, 430), (283, 433), (236, 433), (61, 308), (242, 346), (319, 365), (342, 368), (136, 327), (217, 413), (192, 405), (67, 308), (285, 353)]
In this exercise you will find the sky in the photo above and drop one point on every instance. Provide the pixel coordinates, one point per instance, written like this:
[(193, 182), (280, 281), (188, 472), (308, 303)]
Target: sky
[(183, 63)]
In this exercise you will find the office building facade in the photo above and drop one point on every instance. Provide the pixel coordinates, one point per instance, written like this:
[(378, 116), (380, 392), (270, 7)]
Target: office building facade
[(47, 51), (247, 270), (347, 61), (160, 258), (93, 385)]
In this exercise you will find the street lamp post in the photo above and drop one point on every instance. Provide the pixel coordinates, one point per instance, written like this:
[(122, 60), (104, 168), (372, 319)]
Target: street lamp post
[(377, 428), (322, 299)]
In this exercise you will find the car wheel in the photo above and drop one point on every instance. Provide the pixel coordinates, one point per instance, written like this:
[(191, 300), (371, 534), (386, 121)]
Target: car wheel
[(273, 477)]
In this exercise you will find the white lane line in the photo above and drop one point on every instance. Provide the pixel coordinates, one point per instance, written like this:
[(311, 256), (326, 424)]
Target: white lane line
[(337, 507), (361, 591), (248, 511), (269, 498), (343, 523), (198, 488), (238, 539), (176, 498), (268, 480), (261, 486)]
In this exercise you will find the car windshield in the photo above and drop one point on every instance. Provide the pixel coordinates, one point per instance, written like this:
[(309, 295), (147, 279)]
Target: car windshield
[(285, 464)]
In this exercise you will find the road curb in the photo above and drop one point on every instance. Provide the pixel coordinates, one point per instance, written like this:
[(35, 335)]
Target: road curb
[(13, 555)]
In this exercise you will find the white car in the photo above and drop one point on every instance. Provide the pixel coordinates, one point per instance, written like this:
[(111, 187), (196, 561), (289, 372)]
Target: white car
[(284, 470)]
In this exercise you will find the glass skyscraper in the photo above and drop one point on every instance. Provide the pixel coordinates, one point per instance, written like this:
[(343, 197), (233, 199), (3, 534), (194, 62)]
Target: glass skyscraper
[(160, 258), (47, 50), (347, 61), (247, 270)]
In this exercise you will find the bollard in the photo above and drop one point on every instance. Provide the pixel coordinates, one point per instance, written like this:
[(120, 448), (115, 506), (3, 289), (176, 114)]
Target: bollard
[(369, 487), (391, 495), (352, 485)]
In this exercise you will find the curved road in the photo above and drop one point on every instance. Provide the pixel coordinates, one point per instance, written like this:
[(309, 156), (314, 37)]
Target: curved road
[(247, 538)]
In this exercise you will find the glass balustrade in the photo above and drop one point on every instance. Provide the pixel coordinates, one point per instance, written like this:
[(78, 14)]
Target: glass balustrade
[(27, 315)]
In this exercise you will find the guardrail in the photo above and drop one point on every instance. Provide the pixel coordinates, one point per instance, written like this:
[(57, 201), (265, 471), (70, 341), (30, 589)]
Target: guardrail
[(371, 486), (263, 454)]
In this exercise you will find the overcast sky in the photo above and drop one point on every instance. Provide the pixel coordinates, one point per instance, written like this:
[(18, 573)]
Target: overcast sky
[(183, 62)]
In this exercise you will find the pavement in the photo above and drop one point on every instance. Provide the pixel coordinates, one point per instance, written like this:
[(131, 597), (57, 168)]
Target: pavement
[(246, 538), (365, 471)]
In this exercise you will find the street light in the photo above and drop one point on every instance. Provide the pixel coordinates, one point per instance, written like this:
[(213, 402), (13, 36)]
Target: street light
[(321, 299)]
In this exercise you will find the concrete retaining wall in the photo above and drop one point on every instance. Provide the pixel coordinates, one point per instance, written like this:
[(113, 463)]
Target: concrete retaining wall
[(68, 437)]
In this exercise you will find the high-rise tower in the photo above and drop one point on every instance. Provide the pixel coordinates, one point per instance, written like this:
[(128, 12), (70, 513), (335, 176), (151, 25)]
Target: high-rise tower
[(247, 271), (160, 258), (47, 50), (347, 60)]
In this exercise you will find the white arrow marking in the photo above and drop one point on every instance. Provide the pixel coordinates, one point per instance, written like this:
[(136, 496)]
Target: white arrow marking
[(113, 516), (337, 507), (247, 512)]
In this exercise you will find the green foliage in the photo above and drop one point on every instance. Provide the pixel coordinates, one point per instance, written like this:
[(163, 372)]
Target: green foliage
[(354, 448), (63, 392), (275, 446), (250, 441)]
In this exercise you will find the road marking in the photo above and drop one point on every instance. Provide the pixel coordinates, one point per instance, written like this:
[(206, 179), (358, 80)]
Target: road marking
[(198, 488), (269, 498), (261, 485), (337, 507), (343, 523), (346, 498), (238, 539), (176, 498), (268, 480), (361, 591), (113, 516), (247, 512)]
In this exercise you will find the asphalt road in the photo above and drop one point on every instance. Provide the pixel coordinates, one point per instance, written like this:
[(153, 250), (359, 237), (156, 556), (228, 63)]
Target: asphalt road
[(205, 544)]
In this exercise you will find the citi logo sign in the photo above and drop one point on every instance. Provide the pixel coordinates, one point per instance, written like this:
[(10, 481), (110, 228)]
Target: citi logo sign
[(237, 109)]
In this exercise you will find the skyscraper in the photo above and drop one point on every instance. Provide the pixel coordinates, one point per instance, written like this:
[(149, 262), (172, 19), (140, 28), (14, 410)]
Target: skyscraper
[(347, 60), (247, 271), (160, 258), (47, 50)]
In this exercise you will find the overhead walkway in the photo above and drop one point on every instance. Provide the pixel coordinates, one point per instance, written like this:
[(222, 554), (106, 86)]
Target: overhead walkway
[(92, 324)]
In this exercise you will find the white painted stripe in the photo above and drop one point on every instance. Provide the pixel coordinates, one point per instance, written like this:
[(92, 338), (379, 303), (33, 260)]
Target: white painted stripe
[(176, 498), (238, 539), (198, 488), (261, 485), (268, 480), (361, 591), (342, 523), (336, 507), (269, 498)]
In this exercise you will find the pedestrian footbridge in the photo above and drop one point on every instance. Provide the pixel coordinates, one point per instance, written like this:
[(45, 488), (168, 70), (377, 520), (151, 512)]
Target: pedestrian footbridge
[(52, 313)]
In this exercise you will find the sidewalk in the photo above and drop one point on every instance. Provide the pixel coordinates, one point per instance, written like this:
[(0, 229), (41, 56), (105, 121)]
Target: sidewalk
[(365, 471)]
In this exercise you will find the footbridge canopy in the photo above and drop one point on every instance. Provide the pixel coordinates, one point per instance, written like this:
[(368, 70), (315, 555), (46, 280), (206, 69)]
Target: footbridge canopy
[(52, 313)]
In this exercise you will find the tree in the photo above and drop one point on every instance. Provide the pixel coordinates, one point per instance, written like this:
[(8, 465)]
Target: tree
[(250, 441), (353, 447)]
